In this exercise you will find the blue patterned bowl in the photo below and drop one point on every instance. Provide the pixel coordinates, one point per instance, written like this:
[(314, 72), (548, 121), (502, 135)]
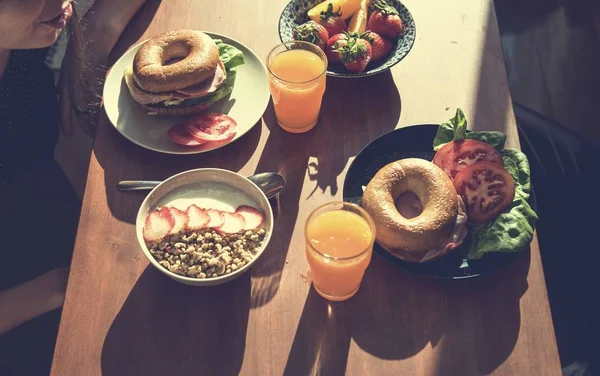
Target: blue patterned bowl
[(295, 13)]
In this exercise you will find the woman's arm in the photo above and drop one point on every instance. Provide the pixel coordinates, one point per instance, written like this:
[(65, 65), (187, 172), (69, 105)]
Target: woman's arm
[(106, 21), (80, 83), (33, 298)]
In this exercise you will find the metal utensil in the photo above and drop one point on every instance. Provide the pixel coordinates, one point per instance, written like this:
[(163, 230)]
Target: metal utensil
[(271, 183), (137, 185)]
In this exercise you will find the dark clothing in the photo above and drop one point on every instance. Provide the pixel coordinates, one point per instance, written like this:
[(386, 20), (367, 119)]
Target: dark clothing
[(40, 207), (564, 173), (28, 114)]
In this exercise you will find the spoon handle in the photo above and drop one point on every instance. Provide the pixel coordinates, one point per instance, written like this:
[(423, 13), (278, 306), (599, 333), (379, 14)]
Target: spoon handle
[(137, 185), (270, 183)]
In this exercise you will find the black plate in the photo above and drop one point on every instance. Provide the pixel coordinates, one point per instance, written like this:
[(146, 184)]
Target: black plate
[(416, 142)]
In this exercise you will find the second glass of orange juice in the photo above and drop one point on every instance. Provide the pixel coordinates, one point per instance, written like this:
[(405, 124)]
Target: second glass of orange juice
[(339, 244), (297, 83)]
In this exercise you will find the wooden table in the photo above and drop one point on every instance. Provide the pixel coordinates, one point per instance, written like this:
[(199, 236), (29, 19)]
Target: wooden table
[(122, 317)]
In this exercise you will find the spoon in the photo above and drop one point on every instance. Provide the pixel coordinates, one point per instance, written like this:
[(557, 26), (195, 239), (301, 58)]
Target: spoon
[(271, 183)]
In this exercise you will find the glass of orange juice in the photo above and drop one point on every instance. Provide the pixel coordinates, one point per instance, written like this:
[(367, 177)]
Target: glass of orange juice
[(297, 82), (339, 243)]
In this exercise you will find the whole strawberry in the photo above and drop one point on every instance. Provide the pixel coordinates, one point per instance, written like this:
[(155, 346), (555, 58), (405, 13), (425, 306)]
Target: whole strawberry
[(385, 20), (332, 21), (333, 44), (312, 32), (355, 54), (379, 46)]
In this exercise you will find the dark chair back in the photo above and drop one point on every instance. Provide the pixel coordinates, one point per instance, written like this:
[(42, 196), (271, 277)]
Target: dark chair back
[(565, 169)]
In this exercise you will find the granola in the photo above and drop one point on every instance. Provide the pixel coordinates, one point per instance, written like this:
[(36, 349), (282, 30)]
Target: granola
[(206, 253)]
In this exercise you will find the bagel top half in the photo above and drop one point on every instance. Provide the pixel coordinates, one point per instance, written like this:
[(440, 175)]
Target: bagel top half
[(175, 60), (429, 230)]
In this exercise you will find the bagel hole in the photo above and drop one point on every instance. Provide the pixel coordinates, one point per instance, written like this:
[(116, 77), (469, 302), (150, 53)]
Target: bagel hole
[(175, 53), (173, 60), (409, 205)]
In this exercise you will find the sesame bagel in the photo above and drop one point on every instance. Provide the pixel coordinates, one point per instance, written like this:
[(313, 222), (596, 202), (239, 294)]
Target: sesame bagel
[(412, 239), (198, 57)]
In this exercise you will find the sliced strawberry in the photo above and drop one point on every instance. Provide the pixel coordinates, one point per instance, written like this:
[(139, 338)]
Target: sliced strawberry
[(198, 218), (233, 223), (181, 220), (211, 127), (158, 224), (252, 216), (180, 135), (216, 218)]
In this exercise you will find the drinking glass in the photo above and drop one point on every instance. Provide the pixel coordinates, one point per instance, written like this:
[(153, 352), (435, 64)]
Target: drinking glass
[(297, 72), (339, 244)]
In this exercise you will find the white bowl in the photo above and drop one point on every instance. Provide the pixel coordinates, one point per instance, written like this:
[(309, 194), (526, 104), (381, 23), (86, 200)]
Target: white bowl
[(182, 188)]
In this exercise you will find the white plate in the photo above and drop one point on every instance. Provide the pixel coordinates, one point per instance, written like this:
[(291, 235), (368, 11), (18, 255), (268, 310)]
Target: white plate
[(246, 104)]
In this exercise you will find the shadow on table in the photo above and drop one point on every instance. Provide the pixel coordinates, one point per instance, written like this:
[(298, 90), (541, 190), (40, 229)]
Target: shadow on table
[(464, 350), (135, 28), (123, 160), (322, 339), (395, 315), (167, 328), (347, 123)]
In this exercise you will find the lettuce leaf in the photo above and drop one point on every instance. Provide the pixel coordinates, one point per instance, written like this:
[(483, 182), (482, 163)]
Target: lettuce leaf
[(230, 56), (456, 129), (453, 129), (516, 163), (496, 139), (512, 230)]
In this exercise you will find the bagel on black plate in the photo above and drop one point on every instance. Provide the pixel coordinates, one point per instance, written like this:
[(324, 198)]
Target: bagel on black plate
[(438, 228)]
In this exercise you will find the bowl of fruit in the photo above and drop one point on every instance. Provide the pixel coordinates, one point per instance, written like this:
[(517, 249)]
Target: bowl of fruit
[(360, 37)]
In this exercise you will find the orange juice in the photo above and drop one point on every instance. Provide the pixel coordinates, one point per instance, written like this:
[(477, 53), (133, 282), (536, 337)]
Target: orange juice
[(339, 247), (297, 85)]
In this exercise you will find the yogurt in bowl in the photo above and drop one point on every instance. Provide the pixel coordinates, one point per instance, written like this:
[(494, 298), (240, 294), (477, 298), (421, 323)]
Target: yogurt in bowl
[(204, 227)]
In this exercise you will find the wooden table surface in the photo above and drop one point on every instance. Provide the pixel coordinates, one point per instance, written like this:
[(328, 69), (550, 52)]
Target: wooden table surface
[(123, 317)]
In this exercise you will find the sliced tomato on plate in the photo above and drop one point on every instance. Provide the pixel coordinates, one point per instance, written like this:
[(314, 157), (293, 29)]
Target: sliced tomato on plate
[(180, 135), (456, 155), (486, 188), (211, 127)]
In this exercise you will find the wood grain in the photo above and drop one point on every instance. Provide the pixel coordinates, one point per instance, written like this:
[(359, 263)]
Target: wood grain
[(122, 317)]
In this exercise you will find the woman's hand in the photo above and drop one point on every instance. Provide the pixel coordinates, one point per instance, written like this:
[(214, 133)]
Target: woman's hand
[(32, 299)]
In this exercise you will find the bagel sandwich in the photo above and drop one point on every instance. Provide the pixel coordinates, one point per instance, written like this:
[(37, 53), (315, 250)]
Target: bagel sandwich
[(432, 231), (182, 72)]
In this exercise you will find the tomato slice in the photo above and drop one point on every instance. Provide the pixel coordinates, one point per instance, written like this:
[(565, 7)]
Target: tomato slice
[(486, 188), (211, 127), (456, 155), (180, 135)]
